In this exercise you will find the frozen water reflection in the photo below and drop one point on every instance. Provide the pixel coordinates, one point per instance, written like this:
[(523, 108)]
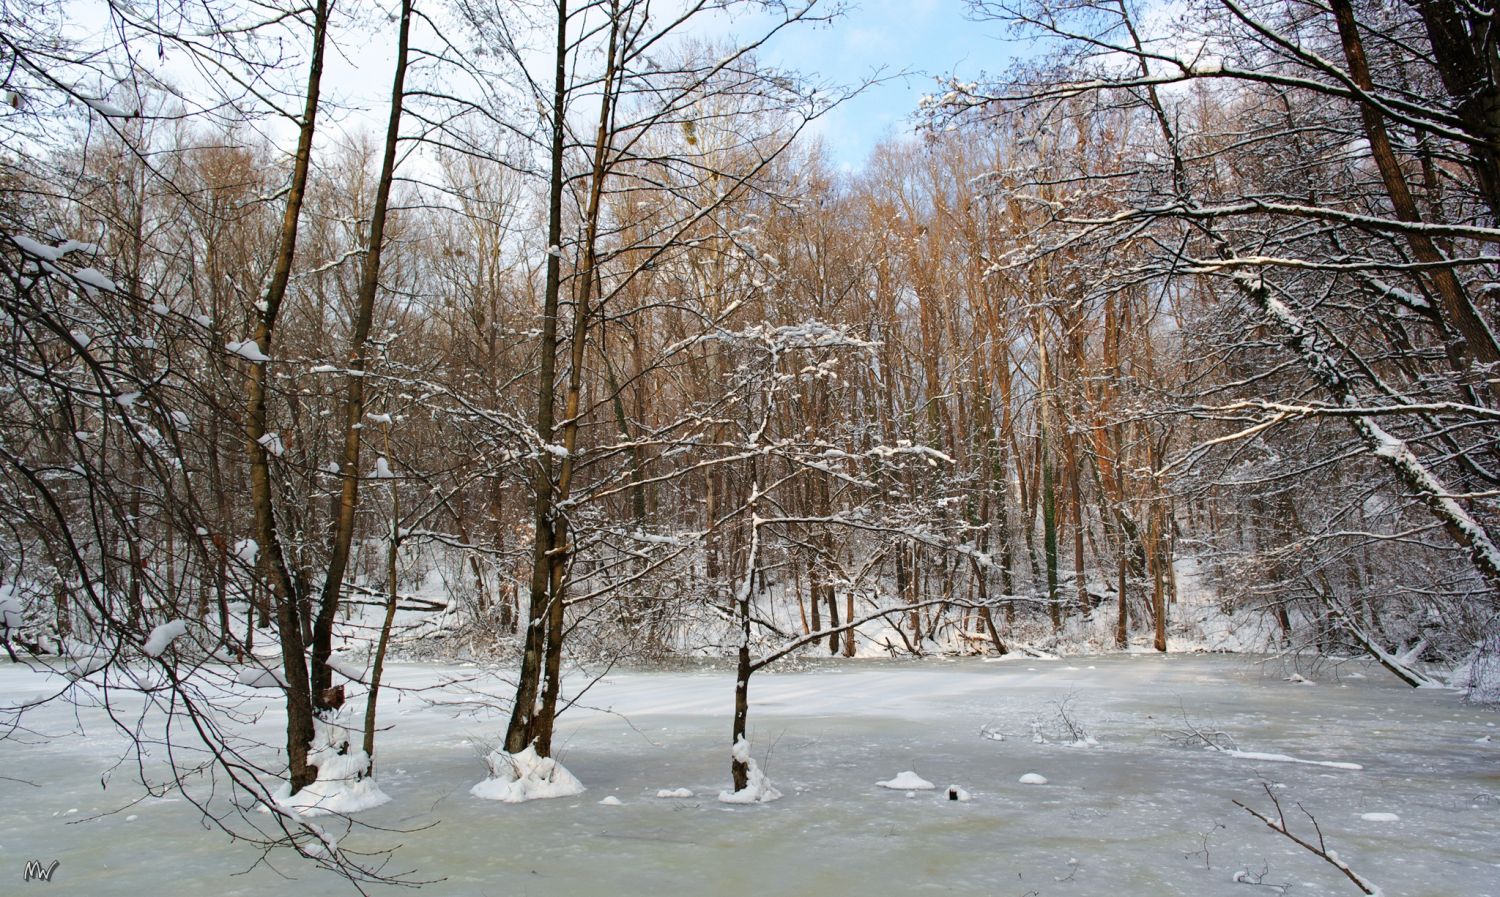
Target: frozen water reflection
[(1130, 814)]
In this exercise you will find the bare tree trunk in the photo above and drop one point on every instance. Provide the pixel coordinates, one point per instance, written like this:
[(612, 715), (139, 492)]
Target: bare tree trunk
[(377, 666), (1158, 593), (1122, 632), (354, 399), (849, 632), (273, 562)]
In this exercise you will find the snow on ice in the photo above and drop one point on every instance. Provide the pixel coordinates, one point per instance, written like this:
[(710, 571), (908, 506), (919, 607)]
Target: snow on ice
[(907, 781), (675, 793)]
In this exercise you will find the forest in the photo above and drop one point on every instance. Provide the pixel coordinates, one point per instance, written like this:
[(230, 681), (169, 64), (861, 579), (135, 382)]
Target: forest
[(578, 350)]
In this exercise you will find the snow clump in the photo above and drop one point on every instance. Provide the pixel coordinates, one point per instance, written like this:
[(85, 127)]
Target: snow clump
[(248, 350), (163, 635)]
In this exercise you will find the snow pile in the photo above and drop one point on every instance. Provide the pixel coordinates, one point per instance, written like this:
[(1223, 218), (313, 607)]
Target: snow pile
[(757, 788), (344, 785), (675, 792), (907, 781), (1380, 817), (958, 794), (611, 801), (1032, 778), (163, 635), (524, 776), (10, 608)]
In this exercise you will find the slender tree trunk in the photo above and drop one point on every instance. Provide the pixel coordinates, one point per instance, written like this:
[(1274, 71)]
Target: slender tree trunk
[(377, 666), (849, 615), (1122, 632), (521, 729), (1049, 534), (582, 310), (273, 562), (354, 400), (1158, 592)]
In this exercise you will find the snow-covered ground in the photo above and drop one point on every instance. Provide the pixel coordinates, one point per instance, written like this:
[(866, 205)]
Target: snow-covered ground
[(1124, 810)]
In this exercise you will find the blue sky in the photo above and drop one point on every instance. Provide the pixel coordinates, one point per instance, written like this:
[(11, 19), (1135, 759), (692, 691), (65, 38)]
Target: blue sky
[(925, 37)]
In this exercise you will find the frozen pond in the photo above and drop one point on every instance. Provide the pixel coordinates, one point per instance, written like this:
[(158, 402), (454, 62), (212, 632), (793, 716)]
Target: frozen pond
[(1129, 814)]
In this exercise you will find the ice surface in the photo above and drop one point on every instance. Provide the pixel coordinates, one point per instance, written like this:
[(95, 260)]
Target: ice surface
[(1135, 811)]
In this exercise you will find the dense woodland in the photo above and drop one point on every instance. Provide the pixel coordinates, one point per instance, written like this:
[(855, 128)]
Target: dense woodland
[(583, 349)]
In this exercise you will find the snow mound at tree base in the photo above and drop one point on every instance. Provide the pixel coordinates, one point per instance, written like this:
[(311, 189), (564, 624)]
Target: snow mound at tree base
[(757, 788), (523, 776), (344, 785)]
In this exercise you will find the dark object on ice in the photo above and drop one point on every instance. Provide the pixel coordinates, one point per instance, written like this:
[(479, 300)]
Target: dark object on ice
[(953, 794)]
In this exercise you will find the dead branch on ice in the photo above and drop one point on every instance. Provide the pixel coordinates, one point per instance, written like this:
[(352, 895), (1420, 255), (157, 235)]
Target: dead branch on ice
[(1319, 849)]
